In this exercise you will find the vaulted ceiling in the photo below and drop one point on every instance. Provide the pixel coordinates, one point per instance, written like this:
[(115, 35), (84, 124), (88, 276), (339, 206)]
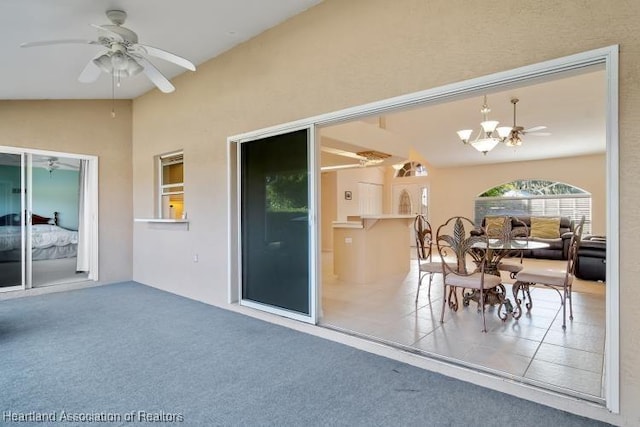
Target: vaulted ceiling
[(570, 106), (197, 30)]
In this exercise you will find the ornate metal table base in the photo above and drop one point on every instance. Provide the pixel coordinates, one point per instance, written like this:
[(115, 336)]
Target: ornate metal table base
[(492, 297)]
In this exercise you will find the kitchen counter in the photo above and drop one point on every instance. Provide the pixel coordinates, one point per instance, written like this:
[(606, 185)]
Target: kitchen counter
[(371, 247)]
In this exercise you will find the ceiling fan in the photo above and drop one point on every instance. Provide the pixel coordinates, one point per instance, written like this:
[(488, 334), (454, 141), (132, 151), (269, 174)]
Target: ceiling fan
[(53, 163), (124, 56), (364, 158), (517, 132)]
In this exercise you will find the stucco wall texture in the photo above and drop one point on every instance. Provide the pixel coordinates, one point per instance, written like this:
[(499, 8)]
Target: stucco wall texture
[(346, 53)]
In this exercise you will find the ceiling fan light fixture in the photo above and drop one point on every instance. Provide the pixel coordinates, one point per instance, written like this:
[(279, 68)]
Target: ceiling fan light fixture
[(119, 61), (133, 67), (104, 63), (514, 141)]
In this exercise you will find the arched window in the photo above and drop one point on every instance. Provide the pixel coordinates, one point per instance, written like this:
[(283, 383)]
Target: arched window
[(537, 198), (411, 169)]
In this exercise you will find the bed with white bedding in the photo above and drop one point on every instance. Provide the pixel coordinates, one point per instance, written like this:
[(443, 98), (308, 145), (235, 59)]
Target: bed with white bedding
[(49, 241)]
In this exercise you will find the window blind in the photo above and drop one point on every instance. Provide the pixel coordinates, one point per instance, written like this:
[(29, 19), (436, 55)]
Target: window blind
[(572, 206)]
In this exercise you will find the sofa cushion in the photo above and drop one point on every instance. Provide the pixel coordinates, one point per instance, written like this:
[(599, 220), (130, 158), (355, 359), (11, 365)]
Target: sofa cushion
[(545, 227), (494, 225)]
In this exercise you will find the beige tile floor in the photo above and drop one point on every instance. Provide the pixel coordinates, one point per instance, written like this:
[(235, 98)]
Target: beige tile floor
[(533, 349)]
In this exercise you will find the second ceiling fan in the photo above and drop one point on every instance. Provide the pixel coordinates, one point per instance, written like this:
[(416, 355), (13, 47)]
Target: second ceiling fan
[(517, 132)]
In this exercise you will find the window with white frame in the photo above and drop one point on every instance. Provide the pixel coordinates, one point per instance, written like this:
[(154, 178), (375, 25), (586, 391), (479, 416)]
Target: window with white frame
[(171, 185)]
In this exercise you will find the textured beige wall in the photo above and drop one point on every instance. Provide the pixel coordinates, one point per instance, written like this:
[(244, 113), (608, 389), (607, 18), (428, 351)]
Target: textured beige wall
[(85, 127), (346, 53)]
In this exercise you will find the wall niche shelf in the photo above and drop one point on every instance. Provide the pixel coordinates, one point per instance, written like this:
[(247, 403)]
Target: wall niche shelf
[(162, 220)]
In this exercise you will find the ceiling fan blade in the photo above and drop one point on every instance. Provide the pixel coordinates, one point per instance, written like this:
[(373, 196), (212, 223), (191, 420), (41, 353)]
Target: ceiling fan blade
[(343, 153), (539, 134), (54, 42), (534, 129), (156, 76), (68, 165), (167, 56), (112, 34), (90, 73)]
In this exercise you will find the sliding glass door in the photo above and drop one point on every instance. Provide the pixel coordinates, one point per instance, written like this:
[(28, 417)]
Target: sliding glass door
[(276, 234), (12, 230), (48, 218), (55, 184)]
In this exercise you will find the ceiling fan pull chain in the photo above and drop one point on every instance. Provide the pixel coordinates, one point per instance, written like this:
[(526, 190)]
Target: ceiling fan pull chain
[(113, 96)]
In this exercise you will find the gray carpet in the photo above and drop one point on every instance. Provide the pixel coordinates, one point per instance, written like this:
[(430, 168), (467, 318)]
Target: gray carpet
[(129, 352)]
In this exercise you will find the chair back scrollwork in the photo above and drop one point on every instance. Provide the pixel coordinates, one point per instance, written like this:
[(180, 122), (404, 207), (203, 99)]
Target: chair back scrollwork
[(424, 238), (574, 244), (453, 240)]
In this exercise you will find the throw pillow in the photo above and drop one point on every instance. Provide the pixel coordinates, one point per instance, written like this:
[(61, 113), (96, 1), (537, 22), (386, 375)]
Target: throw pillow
[(494, 225), (545, 227)]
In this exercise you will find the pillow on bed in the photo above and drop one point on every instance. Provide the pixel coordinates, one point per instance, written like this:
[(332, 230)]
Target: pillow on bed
[(37, 219), (545, 227)]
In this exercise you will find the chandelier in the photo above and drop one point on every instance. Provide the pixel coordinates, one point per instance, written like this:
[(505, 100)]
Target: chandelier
[(490, 134)]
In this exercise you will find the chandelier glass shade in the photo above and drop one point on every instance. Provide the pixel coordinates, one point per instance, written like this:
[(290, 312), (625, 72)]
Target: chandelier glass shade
[(489, 135)]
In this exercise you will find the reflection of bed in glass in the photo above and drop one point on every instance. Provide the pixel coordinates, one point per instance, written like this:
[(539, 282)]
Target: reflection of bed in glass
[(49, 241)]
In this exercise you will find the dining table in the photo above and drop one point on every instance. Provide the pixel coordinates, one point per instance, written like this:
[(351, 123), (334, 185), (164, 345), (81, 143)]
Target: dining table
[(496, 250)]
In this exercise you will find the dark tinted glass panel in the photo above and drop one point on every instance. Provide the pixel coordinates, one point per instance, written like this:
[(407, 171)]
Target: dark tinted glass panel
[(275, 231), (10, 220)]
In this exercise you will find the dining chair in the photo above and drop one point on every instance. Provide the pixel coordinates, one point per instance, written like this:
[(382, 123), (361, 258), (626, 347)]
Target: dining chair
[(424, 248), (517, 230), (468, 270), (560, 280)]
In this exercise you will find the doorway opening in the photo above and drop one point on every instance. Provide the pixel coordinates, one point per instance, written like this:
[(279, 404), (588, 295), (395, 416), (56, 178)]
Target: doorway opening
[(446, 195), (389, 308), (48, 218)]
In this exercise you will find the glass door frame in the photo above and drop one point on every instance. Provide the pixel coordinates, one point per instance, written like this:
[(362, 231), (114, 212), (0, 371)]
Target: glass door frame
[(27, 204), (23, 218), (235, 221)]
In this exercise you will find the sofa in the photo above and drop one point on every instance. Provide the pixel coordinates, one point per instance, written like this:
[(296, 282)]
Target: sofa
[(591, 263), (558, 246)]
